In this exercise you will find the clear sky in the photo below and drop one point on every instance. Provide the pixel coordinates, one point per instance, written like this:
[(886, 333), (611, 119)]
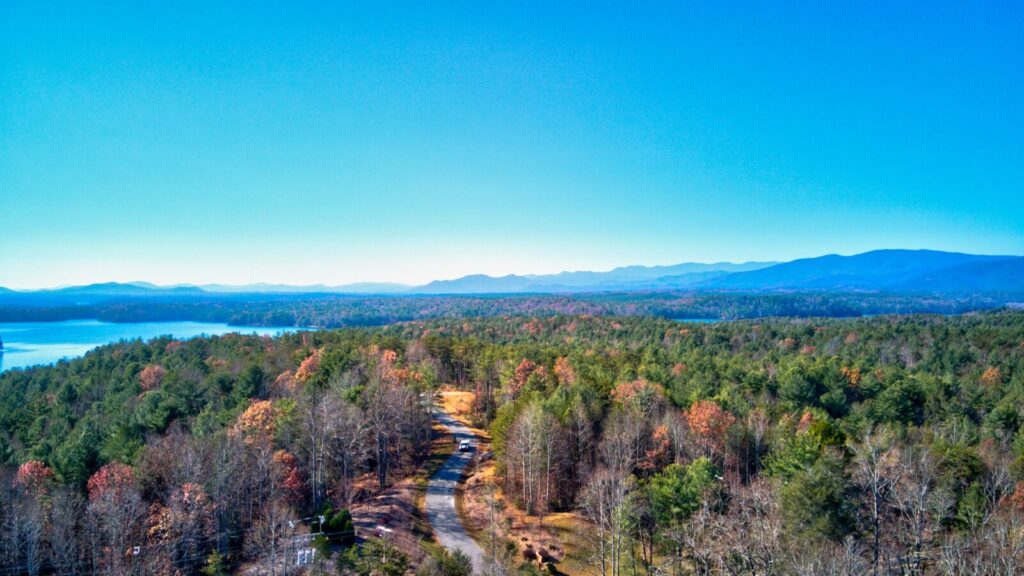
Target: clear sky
[(305, 142)]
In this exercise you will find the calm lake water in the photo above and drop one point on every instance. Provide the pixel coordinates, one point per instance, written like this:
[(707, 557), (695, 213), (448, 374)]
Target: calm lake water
[(32, 343)]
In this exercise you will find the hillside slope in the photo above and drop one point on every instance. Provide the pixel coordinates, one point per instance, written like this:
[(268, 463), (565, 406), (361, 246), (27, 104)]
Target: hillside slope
[(877, 270)]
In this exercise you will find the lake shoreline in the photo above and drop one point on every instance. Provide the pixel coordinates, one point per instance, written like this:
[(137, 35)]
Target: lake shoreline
[(28, 344)]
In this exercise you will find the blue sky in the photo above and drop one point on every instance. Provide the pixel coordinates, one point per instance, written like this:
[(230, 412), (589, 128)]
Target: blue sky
[(306, 142)]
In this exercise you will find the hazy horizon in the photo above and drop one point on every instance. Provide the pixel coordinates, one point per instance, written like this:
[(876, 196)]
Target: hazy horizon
[(198, 284), (407, 143)]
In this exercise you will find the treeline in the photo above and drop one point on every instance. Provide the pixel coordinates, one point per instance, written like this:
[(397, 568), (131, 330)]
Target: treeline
[(886, 445), (335, 311)]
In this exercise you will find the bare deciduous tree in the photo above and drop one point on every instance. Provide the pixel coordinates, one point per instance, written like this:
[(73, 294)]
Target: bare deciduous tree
[(876, 471), (535, 455), (920, 505), (65, 523), (272, 538), (607, 503)]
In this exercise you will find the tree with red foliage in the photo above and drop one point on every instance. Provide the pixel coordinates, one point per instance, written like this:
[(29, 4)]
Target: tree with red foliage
[(34, 477), (639, 395), (110, 481), (26, 515), (522, 373), (114, 520), (288, 472), (659, 454)]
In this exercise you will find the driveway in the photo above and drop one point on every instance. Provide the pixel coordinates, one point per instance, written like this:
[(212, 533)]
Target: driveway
[(439, 503)]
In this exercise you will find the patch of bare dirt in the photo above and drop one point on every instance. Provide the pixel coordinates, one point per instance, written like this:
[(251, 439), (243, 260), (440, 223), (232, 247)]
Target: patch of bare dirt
[(394, 515)]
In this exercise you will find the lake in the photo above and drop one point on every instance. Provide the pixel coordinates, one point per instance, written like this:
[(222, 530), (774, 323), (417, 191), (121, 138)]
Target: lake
[(32, 343)]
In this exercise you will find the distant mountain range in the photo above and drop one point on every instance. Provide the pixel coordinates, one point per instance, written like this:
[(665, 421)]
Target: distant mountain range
[(356, 288), (885, 270), (921, 271), (626, 278), (107, 291), (876, 271)]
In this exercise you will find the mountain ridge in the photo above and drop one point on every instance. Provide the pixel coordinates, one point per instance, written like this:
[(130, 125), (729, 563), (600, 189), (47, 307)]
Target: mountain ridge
[(623, 277), (895, 270), (876, 270)]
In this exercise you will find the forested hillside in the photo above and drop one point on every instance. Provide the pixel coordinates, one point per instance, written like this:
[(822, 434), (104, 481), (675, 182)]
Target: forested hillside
[(777, 446), (336, 311)]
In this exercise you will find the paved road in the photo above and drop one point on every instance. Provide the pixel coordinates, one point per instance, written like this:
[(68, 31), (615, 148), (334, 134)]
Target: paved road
[(439, 503)]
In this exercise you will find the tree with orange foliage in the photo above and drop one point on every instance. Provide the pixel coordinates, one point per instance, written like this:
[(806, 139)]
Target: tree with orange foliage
[(1016, 499), (258, 423), (391, 373), (624, 392), (852, 375), (991, 376), (286, 382), (564, 371), (806, 420), (309, 367), (709, 424), (151, 376)]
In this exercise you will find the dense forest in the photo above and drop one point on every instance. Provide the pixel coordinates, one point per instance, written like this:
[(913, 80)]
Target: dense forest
[(337, 311), (882, 445)]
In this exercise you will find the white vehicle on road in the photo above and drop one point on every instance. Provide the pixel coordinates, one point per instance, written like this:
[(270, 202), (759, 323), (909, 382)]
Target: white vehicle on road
[(439, 502)]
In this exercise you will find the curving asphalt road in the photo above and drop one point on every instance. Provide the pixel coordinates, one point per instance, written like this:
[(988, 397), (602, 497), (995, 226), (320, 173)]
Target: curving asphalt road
[(439, 503)]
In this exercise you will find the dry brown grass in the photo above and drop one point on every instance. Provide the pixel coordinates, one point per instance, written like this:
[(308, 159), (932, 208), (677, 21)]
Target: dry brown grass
[(400, 506), (458, 403), (557, 534)]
